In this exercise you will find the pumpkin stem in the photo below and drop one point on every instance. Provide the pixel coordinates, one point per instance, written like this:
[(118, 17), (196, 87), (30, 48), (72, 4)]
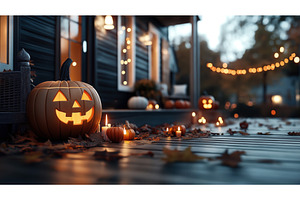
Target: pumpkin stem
[(64, 74)]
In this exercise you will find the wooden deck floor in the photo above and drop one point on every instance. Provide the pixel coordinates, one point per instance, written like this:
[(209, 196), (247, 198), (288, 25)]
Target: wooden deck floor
[(269, 159)]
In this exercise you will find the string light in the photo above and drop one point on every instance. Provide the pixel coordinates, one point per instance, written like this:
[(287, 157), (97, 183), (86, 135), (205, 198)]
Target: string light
[(276, 55), (281, 49), (125, 57), (253, 70)]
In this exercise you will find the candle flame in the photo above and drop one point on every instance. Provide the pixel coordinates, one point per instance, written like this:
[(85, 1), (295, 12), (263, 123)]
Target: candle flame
[(221, 120), (217, 123), (124, 131), (193, 114), (167, 129), (105, 120), (178, 128)]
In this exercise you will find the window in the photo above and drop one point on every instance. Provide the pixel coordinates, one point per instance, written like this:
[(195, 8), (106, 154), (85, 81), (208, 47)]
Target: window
[(126, 53), (154, 54), (6, 46), (71, 44)]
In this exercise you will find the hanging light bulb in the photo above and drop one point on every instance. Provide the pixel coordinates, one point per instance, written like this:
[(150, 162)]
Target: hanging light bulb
[(109, 23)]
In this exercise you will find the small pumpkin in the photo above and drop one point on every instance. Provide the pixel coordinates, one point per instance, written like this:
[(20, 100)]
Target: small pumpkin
[(174, 128), (130, 134), (179, 104), (137, 102), (169, 104), (206, 102), (61, 109), (187, 104), (115, 134)]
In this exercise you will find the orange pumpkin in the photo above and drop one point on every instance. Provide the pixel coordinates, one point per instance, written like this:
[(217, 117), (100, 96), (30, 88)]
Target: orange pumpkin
[(130, 133), (206, 102), (174, 128), (61, 109), (179, 104), (187, 104), (169, 104), (115, 134)]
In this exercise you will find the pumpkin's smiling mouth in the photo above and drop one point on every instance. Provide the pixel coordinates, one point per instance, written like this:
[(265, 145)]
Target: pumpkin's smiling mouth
[(76, 117)]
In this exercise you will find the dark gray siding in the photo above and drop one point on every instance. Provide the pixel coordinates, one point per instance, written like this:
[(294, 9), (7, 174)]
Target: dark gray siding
[(142, 57), (106, 76), (37, 35)]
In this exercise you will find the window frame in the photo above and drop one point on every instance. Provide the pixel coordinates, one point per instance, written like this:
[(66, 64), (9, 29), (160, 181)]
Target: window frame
[(132, 67), (154, 31), (9, 65)]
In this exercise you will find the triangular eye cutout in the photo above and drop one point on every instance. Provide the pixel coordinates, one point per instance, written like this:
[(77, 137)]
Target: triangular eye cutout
[(60, 97), (76, 104), (86, 96)]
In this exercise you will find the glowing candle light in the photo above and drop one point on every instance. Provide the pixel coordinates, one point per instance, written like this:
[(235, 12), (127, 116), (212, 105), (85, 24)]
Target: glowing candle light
[(104, 129), (178, 132)]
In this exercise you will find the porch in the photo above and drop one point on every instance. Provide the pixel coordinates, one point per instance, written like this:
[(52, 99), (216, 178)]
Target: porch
[(270, 156)]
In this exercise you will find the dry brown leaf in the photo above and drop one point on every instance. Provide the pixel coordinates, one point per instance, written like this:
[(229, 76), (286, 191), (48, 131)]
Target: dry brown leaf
[(181, 156), (107, 156), (243, 133), (231, 160), (294, 133), (260, 133)]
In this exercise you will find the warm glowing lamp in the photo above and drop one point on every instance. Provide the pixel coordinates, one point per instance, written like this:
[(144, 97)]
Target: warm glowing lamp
[(276, 99), (109, 23)]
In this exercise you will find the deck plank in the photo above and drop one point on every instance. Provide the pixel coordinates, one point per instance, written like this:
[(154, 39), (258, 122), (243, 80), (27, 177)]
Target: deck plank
[(82, 168)]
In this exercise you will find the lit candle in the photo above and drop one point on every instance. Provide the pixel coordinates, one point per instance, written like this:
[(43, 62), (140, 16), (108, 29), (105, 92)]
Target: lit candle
[(156, 106), (194, 118), (104, 129), (124, 131), (178, 133), (202, 120), (217, 123), (220, 119)]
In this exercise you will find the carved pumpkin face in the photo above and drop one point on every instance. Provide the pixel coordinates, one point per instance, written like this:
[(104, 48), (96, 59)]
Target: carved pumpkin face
[(62, 109), (76, 117), (206, 102)]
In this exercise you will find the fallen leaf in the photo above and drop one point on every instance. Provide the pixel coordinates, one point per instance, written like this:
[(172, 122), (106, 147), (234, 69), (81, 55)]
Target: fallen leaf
[(149, 153), (231, 160), (180, 156), (33, 157), (243, 133), (294, 133), (107, 156), (260, 133)]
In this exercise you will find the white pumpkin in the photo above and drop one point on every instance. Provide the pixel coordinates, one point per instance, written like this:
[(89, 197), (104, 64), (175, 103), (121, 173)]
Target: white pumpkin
[(137, 102)]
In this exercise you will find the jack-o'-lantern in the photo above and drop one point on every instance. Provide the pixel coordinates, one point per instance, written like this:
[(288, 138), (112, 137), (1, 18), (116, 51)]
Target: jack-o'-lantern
[(64, 108), (206, 102), (174, 128)]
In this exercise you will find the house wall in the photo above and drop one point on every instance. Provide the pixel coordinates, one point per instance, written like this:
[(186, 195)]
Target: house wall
[(105, 77), (37, 35)]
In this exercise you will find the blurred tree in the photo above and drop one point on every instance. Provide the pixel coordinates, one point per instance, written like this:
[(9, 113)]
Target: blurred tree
[(268, 34)]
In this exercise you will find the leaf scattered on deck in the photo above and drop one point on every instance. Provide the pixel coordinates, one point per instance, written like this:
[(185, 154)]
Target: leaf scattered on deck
[(181, 156), (233, 159)]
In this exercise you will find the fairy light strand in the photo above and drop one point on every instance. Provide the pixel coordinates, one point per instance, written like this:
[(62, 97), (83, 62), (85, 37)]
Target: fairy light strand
[(253, 70), (126, 60)]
